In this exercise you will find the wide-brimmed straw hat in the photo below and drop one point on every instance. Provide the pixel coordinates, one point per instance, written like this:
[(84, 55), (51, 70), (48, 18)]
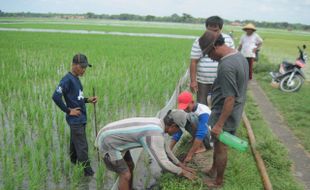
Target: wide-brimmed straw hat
[(249, 26)]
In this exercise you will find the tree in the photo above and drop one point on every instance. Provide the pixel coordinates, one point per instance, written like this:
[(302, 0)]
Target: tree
[(90, 15), (187, 18), (150, 18)]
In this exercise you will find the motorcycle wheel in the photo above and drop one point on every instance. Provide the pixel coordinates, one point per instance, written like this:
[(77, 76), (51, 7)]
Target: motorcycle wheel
[(293, 86)]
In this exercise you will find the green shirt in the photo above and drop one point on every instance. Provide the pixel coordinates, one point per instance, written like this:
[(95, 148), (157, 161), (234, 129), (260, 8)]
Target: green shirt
[(232, 79)]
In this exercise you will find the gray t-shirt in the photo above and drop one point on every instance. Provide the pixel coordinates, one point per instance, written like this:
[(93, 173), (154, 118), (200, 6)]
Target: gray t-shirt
[(232, 79)]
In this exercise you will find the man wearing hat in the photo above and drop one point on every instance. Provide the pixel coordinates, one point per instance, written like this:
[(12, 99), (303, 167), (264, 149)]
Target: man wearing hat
[(250, 42), (228, 98), (198, 125), (116, 139), (71, 89)]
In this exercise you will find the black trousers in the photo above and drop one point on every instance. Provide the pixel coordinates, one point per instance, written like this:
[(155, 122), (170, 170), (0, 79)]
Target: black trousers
[(79, 147)]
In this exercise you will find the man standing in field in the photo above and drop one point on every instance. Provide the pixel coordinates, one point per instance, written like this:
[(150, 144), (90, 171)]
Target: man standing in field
[(228, 98), (116, 139), (71, 89), (250, 43), (203, 69)]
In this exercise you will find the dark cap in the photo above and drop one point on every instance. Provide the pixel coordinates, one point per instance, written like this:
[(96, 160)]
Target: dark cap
[(207, 41), (81, 59)]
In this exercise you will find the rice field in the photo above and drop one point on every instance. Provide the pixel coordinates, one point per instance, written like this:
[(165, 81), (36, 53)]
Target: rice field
[(133, 76)]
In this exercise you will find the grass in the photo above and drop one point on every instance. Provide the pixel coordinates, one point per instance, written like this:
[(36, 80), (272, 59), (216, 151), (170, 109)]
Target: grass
[(241, 171), (294, 107)]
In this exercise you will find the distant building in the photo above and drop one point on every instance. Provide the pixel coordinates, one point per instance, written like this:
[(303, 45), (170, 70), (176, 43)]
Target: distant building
[(73, 17), (235, 24)]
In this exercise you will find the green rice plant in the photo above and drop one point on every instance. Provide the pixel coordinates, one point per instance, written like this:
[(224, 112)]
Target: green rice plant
[(8, 170), (170, 181), (67, 168), (56, 172), (77, 174), (99, 175), (19, 177)]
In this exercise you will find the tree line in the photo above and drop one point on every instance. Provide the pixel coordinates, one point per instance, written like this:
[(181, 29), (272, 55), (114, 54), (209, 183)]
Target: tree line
[(183, 18)]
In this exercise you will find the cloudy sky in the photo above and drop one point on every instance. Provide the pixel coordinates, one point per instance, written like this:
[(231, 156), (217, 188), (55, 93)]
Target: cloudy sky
[(297, 11)]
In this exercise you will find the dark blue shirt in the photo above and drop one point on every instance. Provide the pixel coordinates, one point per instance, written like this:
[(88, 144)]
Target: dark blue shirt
[(71, 89)]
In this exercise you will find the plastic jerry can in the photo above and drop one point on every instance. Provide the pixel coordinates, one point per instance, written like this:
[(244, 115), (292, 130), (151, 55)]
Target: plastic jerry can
[(233, 141)]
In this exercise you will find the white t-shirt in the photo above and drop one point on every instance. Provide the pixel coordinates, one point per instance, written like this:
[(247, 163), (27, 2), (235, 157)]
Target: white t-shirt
[(249, 43), (206, 67)]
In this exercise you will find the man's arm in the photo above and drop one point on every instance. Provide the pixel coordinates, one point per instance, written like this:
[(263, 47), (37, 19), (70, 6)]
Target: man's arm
[(201, 132), (225, 113), (156, 147), (193, 73), (259, 43), (57, 98), (175, 138), (240, 43), (229, 41), (196, 54)]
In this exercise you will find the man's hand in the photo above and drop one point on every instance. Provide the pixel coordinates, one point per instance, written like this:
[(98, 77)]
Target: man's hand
[(216, 130), (92, 99), (188, 175), (188, 158), (226, 112), (184, 167), (194, 86), (75, 111), (255, 50)]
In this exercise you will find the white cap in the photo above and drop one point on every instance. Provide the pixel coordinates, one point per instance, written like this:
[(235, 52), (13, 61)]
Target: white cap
[(179, 117)]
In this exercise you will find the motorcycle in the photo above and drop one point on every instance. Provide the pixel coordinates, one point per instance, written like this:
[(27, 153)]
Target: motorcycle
[(290, 76)]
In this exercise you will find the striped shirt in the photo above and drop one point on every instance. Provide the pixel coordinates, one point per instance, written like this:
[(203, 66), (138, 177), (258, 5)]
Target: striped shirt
[(206, 67), (120, 136)]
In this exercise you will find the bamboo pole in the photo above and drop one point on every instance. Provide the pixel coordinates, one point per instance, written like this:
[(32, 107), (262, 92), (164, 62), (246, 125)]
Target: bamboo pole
[(95, 124), (259, 161)]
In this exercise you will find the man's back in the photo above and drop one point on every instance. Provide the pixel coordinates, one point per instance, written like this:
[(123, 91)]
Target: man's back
[(121, 133), (147, 132), (232, 80)]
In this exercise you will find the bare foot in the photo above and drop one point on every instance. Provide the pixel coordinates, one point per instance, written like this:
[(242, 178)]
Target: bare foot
[(210, 173), (212, 183), (200, 150)]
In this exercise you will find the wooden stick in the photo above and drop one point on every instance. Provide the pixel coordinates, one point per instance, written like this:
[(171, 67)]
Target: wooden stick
[(259, 161), (95, 115)]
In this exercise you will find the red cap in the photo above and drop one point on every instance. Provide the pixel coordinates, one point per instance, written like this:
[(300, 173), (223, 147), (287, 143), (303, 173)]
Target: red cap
[(184, 99)]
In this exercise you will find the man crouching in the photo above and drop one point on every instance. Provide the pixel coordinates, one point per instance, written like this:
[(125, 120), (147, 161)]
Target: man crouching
[(117, 138)]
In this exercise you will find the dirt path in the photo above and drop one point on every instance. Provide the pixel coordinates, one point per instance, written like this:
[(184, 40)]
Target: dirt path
[(297, 154)]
